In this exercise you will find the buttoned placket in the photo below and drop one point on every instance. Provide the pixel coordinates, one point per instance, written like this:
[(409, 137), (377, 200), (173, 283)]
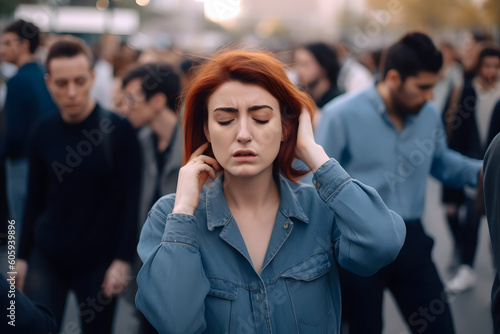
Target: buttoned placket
[(260, 303), (401, 139), (230, 233), (399, 150)]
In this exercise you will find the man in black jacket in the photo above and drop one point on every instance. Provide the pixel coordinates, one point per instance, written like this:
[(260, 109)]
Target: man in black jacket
[(81, 212), (473, 126)]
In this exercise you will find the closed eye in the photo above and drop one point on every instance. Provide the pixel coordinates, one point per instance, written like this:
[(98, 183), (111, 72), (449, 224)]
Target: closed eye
[(261, 121), (225, 123)]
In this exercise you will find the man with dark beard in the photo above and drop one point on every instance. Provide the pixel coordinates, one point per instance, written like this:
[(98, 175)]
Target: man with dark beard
[(390, 138)]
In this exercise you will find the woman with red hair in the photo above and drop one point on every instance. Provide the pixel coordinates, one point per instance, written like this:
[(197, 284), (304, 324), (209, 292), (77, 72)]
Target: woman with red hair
[(252, 252)]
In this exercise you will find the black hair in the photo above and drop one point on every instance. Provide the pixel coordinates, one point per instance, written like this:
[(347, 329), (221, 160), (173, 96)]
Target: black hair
[(326, 58), (68, 47), (157, 78), (488, 51), (413, 53), (25, 31), (481, 35)]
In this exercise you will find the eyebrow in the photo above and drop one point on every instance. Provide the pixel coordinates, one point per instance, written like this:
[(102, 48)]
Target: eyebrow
[(252, 108)]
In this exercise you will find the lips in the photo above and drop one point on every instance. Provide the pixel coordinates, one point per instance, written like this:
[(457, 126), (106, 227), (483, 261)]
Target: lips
[(244, 156), (244, 153)]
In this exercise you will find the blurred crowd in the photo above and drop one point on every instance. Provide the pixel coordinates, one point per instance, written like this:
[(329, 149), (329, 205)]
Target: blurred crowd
[(143, 91)]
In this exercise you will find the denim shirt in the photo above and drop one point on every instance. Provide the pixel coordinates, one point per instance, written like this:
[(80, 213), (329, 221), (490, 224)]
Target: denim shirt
[(198, 276), (358, 132)]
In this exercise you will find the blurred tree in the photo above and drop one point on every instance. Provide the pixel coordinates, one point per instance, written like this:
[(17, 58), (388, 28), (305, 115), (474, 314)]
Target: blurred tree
[(7, 7), (434, 14), (492, 11)]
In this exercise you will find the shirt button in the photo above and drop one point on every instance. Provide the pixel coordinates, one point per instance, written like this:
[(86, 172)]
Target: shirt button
[(317, 184), (285, 226), (257, 296)]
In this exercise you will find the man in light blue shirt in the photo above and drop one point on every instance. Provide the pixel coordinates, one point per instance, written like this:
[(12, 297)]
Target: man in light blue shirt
[(391, 138)]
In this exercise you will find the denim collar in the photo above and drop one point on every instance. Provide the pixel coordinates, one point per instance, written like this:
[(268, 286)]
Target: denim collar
[(218, 213)]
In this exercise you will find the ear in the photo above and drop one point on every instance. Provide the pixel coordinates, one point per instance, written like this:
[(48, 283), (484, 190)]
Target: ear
[(285, 130), (207, 133), (25, 45), (393, 78), (159, 101), (92, 76)]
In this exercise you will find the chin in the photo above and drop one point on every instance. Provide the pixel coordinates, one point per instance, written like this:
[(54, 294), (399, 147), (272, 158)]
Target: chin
[(242, 172), (246, 171)]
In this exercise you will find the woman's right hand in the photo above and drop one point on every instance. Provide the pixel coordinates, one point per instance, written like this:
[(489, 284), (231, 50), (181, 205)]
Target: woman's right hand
[(192, 177)]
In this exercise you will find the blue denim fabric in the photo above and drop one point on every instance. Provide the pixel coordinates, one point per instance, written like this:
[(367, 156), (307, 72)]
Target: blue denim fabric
[(198, 276)]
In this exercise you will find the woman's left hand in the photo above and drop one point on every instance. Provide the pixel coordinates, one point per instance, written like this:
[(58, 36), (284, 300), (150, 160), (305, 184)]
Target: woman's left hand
[(312, 154)]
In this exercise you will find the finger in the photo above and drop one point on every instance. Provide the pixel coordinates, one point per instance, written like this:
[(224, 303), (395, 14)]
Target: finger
[(105, 286), (304, 115), (105, 291), (199, 151), (207, 169), (209, 161), (108, 291)]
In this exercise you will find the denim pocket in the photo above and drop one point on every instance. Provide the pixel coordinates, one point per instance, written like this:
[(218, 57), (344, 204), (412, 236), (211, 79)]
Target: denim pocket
[(309, 290), (219, 304)]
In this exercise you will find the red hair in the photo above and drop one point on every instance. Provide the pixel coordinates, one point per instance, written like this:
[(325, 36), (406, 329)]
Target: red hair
[(257, 68)]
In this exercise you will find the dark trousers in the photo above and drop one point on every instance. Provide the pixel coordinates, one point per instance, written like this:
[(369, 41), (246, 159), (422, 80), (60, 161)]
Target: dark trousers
[(470, 231), (465, 233), (50, 284), (413, 280)]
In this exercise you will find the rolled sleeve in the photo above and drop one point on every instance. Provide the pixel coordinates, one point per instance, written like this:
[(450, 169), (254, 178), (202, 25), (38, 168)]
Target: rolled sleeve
[(370, 235), (181, 229), (329, 179)]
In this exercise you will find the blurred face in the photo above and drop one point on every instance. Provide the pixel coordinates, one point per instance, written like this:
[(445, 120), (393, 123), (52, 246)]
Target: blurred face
[(139, 111), (244, 128), (409, 97), (10, 48), (69, 81), (448, 56), (308, 69), (119, 98), (469, 53), (489, 69)]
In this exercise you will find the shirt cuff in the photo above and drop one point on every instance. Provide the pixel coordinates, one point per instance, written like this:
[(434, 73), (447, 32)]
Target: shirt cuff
[(329, 179), (475, 176), (181, 229)]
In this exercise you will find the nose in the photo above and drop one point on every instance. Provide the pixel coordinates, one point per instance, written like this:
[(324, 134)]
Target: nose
[(71, 89), (244, 135)]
